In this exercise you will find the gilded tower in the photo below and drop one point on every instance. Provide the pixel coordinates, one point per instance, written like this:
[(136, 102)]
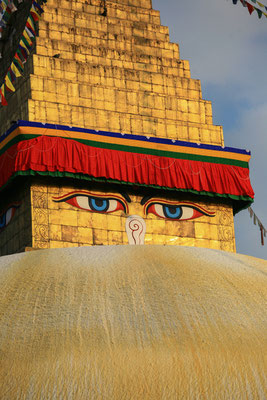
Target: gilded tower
[(106, 138)]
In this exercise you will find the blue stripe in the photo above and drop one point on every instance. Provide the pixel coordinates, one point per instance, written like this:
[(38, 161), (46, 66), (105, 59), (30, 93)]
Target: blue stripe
[(124, 136)]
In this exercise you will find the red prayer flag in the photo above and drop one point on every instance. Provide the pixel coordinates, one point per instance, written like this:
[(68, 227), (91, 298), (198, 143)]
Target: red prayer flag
[(34, 14), (3, 99), (19, 60), (250, 8)]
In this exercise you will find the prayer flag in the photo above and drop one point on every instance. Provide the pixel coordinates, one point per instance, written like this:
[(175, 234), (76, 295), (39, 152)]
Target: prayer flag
[(21, 50), (2, 93), (9, 84), (27, 37), (30, 20), (35, 15), (250, 8), (29, 32), (11, 74), (18, 64), (30, 25), (20, 58), (259, 12), (23, 45), (12, 7), (15, 70), (38, 8)]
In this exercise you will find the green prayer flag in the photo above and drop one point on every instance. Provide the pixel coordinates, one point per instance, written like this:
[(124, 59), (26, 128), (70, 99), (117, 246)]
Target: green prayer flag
[(259, 12), (18, 65), (25, 41)]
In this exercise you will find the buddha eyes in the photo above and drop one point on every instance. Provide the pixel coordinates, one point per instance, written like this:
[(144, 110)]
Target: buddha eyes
[(108, 203), (93, 203), (176, 212), (7, 216)]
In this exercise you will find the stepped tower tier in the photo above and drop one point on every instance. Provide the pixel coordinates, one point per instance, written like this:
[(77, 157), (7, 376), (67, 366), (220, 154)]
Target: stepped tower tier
[(107, 139)]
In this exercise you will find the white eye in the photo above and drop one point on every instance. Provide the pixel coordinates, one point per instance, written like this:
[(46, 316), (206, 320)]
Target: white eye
[(8, 215), (174, 212), (159, 210), (97, 203), (113, 205), (83, 202), (169, 211), (187, 212)]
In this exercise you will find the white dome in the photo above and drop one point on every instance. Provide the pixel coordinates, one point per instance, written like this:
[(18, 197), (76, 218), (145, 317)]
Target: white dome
[(132, 322)]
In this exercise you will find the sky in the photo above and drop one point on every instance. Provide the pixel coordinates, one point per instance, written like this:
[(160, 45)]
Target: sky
[(227, 51)]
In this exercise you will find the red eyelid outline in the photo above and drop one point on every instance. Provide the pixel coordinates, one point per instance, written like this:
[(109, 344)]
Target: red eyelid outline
[(109, 196), (182, 203)]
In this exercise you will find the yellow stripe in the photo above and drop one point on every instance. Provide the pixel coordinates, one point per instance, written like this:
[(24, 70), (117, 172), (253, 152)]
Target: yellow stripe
[(130, 142)]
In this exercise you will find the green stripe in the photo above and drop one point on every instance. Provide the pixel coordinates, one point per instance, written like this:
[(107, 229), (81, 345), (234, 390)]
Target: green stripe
[(162, 153), (139, 150), (240, 202)]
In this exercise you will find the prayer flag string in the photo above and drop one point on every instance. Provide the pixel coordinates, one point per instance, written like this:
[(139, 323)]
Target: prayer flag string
[(25, 46), (256, 221), (251, 7)]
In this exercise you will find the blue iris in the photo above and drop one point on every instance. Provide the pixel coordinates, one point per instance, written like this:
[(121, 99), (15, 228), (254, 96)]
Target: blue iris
[(173, 212), (99, 205), (3, 220)]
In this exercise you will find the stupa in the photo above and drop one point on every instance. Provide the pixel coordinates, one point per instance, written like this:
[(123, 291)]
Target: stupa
[(106, 138)]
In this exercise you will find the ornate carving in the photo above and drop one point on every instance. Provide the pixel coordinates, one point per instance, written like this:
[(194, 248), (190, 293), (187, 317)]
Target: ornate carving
[(225, 233), (40, 216), (41, 245), (41, 232), (39, 199), (225, 218)]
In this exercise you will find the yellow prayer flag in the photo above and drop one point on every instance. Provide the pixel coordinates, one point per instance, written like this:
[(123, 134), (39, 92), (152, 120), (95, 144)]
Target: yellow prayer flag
[(3, 89), (3, 5), (30, 23), (15, 70), (27, 37), (260, 4), (24, 46), (9, 84)]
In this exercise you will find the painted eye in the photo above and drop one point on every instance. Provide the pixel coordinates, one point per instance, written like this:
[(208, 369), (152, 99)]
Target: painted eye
[(177, 212), (96, 204), (91, 203), (7, 216)]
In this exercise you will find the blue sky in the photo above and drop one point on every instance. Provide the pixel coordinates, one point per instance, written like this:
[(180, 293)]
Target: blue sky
[(227, 50)]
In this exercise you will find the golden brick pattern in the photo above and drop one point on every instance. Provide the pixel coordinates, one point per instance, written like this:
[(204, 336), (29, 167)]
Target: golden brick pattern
[(119, 73)]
